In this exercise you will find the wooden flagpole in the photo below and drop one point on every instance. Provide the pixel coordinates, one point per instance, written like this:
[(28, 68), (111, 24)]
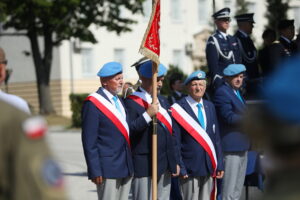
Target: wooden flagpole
[(154, 135), (150, 48)]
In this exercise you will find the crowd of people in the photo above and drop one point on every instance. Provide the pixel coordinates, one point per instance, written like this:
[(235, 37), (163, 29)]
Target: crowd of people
[(200, 142)]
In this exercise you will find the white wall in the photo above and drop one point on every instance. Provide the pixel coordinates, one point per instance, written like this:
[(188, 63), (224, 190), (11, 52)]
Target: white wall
[(174, 36)]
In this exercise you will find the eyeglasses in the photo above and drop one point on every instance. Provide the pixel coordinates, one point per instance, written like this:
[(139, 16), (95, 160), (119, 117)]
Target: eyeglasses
[(4, 62), (227, 19)]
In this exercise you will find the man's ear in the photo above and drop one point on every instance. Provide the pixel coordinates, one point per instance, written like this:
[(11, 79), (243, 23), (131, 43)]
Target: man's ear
[(2, 73)]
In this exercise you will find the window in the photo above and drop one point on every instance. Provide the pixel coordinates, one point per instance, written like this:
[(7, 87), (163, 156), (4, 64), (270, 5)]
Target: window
[(176, 13), (87, 61), (251, 7), (227, 3), (178, 58), (202, 11), (119, 56)]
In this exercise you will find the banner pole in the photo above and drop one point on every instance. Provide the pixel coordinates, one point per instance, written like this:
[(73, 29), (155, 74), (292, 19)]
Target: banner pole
[(154, 135)]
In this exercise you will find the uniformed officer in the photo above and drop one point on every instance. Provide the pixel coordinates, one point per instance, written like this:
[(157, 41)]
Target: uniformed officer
[(27, 168), (221, 48), (140, 116), (277, 124), (16, 101), (201, 157), (230, 107), (284, 47), (269, 36), (248, 52), (105, 136)]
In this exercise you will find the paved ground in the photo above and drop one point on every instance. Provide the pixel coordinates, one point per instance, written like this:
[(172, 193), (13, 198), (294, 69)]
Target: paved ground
[(68, 151), (67, 148)]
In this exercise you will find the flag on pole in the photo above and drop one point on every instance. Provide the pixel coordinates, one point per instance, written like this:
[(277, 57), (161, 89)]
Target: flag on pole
[(150, 46)]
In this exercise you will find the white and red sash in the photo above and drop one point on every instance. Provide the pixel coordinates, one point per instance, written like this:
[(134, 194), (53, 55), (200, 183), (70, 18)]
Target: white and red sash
[(110, 112), (200, 135), (162, 114)]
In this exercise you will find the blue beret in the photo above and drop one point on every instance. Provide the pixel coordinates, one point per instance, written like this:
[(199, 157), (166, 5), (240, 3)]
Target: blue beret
[(248, 17), (223, 13), (197, 75), (110, 69), (234, 69), (282, 91), (145, 69)]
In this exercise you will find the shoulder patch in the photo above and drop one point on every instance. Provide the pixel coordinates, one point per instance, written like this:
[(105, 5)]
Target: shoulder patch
[(35, 127), (52, 174)]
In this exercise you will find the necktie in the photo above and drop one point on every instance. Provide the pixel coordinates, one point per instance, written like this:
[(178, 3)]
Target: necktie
[(239, 96), (115, 98), (200, 115)]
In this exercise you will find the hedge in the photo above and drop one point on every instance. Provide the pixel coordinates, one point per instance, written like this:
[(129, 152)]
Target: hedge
[(76, 107)]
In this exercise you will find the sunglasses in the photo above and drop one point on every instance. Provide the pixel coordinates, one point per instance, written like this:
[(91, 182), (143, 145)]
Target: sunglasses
[(4, 62)]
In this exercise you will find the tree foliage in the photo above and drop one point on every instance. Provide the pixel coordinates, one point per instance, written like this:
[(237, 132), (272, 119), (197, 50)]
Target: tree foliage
[(58, 20), (241, 7), (276, 11)]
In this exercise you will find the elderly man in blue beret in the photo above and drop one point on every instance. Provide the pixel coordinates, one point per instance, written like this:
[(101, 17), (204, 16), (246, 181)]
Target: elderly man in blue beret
[(221, 48), (230, 107), (141, 110), (105, 136), (197, 134)]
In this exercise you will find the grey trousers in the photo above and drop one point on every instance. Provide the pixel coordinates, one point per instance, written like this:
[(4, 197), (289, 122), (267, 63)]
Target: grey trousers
[(141, 187), (114, 189), (234, 176), (194, 188)]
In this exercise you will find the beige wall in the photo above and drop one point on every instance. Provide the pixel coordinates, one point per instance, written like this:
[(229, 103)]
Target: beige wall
[(60, 91)]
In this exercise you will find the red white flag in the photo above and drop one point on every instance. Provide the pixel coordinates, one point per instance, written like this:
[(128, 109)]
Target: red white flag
[(150, 46)]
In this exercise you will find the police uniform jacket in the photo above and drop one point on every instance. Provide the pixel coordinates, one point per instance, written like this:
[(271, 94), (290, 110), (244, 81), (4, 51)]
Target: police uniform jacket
[(106, 150), (194, 161), (230, 110), (217, 54), (141, 137), (264, 60), (248, 54), (280, 50)]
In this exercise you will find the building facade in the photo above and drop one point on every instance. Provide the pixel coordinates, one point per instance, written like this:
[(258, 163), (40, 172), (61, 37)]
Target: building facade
[(185, 27)]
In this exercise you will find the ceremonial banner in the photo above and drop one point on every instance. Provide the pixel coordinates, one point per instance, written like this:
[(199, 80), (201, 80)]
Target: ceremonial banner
[(150, 46)]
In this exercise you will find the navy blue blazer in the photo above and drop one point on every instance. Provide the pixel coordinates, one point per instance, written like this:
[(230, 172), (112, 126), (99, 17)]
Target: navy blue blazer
[(194, 161), (141, 137), (250, 57), (217, 63), (106, 150), (281, 50), (229, 111)]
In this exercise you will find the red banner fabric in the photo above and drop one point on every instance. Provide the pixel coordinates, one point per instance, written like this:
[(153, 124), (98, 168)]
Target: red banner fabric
[(150, 46)]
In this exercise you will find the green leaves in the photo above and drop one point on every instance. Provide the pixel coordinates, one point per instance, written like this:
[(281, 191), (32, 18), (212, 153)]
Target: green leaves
[(276, 11), (68, 18)]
